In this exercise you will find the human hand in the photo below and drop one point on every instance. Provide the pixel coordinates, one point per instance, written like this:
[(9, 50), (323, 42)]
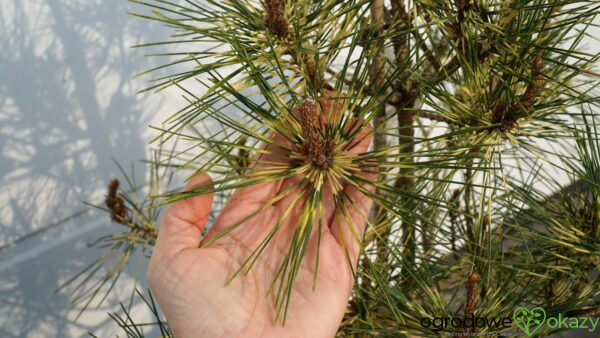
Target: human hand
[(188, 280)]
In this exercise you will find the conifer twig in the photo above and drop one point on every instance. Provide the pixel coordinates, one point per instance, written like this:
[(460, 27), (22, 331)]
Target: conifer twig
[(376, 79)]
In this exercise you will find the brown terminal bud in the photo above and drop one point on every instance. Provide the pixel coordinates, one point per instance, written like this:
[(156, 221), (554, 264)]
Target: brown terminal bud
[(274, 17), (315, 147), (115, 203)]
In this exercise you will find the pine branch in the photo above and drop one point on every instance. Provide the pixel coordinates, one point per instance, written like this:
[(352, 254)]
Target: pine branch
[(377, 78), (499, 82)]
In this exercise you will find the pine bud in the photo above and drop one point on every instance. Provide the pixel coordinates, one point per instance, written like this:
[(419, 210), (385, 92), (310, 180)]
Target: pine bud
[(275, 19), (115, 203), (315, 147)]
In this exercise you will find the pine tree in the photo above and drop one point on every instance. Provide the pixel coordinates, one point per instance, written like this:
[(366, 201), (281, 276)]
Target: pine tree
[(475, 107)]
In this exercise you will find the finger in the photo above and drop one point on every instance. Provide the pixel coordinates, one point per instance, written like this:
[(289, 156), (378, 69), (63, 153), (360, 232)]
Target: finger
[(274, 157), (245, 203), (293, 189), (183, 221), (331, 104), (361, 143), (350, 220)]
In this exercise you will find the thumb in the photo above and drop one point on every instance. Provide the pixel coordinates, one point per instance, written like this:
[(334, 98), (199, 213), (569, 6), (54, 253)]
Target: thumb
[(183, 221)]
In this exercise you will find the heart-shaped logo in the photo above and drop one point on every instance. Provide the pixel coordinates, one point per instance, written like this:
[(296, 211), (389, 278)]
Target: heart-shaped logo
[(529, 321)]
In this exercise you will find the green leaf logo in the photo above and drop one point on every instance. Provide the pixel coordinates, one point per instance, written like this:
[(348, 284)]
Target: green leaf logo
[(529, 321)]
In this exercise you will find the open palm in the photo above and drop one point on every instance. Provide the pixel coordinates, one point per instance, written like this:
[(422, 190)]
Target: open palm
[(188, 280)]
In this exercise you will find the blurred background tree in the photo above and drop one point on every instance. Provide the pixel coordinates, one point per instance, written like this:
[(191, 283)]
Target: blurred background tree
[(481, 113)]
